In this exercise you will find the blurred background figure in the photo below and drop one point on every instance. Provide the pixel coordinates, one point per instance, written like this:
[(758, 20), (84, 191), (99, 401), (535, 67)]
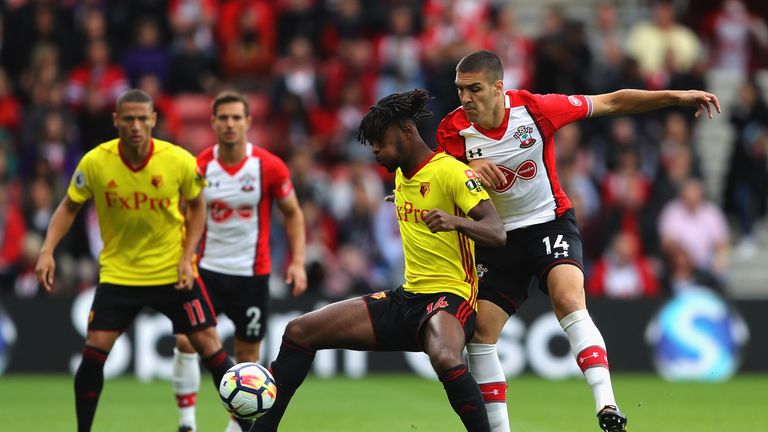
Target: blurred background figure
[(663, 45), (681, 273), (623, 272), (696, 225), (734, 36), (746, 190), (12, 232)]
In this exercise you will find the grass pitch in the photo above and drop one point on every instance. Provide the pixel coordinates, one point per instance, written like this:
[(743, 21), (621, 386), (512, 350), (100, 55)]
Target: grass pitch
[(398, 403)]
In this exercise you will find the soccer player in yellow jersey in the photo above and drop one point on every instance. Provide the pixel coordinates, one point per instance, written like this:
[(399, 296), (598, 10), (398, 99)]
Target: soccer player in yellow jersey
[(441, 209), (136, 183)]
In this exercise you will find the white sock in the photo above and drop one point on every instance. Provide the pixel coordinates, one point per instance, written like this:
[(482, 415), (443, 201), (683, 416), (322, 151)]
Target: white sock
[(588, 346), (233, 426), (485, 367), (186, 383)]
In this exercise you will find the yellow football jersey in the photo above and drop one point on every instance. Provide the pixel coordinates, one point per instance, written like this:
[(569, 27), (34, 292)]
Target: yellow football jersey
[(138, 209), (444, 261)]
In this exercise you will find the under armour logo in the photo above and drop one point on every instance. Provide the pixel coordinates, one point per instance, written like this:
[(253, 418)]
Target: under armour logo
[(563, 254), (474, 153), (588, 356)]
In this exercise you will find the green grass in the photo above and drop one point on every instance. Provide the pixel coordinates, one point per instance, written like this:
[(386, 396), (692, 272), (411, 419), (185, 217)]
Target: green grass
[(399, 403)]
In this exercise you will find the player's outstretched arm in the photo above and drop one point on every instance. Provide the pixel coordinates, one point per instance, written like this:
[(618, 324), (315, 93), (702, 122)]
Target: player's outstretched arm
[(61, 221), (630, 101), (484, 227), (195, 220), (295, 274)]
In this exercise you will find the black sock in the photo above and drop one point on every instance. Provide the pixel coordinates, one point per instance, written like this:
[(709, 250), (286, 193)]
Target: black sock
[(218, 364), (89, 380), (466, 399), (289, 370)]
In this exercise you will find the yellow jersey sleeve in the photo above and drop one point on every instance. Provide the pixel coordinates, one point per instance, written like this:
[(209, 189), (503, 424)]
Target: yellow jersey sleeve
[(80, 186), (192, 179), (463, 185)]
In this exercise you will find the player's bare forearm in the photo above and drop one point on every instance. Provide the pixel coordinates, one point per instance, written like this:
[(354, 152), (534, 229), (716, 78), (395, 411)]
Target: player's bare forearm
[(632, 101), (295, 230), (61, 222), (484, 227)]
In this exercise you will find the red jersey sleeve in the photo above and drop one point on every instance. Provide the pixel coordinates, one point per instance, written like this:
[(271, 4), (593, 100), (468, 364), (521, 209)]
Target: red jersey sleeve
[(204, 158), (279, 182), (448, 138), (557, 109)]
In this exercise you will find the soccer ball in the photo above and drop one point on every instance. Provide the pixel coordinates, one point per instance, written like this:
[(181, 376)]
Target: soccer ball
[(247, 390)]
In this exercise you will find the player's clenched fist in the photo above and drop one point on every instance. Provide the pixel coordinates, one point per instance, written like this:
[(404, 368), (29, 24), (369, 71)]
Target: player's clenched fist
[(438, 220), (490, 175)]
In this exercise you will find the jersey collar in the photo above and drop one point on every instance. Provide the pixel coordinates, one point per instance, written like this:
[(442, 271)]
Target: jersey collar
[(421, 165), (498, 132), (143, 163), (233, 169)]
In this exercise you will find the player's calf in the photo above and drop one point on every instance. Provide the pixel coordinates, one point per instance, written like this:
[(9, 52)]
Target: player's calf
[(465, 398)]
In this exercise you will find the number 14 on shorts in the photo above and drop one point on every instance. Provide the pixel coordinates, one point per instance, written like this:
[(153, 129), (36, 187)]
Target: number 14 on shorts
[(560, 244)]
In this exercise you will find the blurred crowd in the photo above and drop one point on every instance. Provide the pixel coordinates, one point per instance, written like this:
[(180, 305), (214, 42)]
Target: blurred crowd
[(313, 67)]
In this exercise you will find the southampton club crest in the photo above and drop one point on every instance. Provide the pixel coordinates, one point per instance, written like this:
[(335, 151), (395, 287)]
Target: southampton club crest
[(481, 271), (247, 182), (523, 134)]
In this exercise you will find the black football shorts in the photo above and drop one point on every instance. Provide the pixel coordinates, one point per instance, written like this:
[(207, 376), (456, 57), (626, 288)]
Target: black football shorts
[(244, 299), (116, 306), (508, 273), (398, 316)]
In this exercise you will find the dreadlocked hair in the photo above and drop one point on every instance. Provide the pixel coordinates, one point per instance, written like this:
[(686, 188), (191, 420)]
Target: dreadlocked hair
[(397, 107)]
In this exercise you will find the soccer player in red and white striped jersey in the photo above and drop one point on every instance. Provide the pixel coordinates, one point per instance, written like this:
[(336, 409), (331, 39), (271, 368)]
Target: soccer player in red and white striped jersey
[(242, 183), (507, 137)]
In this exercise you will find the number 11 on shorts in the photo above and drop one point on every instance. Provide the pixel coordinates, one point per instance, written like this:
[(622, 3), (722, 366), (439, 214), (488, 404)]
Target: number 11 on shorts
[(559, 244), (194, 312)]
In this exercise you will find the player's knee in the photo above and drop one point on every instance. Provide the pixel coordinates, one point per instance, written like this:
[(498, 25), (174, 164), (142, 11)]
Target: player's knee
[(184, 345), (567, 302), (485, 336), (206, 341), (487, 331), (445, 359), (297, 331)]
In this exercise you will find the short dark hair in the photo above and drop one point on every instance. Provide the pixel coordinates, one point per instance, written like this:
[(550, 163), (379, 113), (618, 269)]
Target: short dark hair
[(482, 61), (135, 95), (397, 107), (229, 96)]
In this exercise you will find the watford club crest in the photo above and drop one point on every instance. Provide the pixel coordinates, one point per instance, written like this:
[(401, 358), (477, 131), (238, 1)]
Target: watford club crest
[(157, 181), (424, 189)]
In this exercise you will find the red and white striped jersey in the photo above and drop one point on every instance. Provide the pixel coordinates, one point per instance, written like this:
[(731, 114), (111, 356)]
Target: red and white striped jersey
[(524, 150), (239, 205)]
